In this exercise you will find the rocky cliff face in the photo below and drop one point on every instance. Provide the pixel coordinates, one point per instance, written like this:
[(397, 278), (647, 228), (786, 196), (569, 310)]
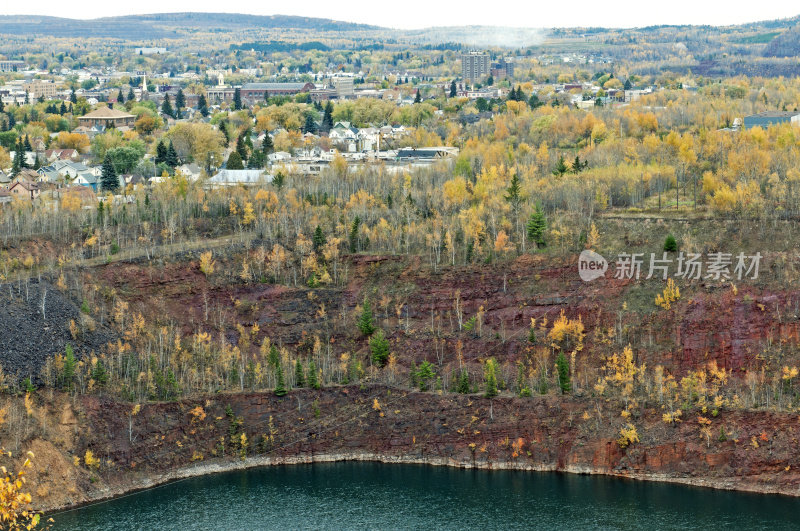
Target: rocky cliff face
[(755, 451), (744, 328), (711, 321)]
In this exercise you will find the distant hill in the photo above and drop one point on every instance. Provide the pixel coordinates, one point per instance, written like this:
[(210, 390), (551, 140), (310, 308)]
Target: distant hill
[(787, 44), (163, 25), (779, 38), (66, 27)]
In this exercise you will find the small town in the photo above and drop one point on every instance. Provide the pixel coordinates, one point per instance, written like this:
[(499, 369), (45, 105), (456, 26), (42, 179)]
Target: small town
[(102, 120)]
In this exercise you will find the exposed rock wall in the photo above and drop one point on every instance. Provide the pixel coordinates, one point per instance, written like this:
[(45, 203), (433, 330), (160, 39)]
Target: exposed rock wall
[(168, 441)]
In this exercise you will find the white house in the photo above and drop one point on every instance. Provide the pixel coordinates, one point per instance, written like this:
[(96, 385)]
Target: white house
[(344, 136), (369, 138), (68, 167), (191, 171), (86, 179), (279, 156)]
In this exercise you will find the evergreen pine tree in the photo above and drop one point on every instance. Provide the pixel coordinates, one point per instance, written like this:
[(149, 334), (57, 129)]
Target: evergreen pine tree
[(256, 160), (670, 244), (577, 165), (310, 125), (379, 346), (202, 106), (2, 105), (299, 378), (234, 161), (109, 180), (131, 95), (453, 91), (166, 107), (318, 240), (62, 111), (537, 224), (365, 323), (72, 97), (562, 367), (99, 374), (23, 160), (279, 180), (418, 97), (313, 378), (223, 128), (514, 192), (274, 356), (161, 153), (120, 97), (267, 145), (68, 371), (237, 99), (534, 101), (354, 234), (172, 156), (561, 167), (425, 374), (28, 146), (327, 118), (280, 386), (180, 103), (241, 149), (19, 159), (463, 382)]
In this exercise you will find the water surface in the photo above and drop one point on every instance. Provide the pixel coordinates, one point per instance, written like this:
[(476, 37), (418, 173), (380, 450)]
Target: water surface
[(383, 496)]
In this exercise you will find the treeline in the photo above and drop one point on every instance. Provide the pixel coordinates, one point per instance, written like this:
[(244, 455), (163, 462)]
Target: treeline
[(280, 46)]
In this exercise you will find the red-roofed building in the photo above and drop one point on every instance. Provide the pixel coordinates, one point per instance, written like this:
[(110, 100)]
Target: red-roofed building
[(24, 190)]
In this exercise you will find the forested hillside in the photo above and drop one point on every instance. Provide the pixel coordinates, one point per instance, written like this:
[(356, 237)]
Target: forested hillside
[(159, 26), (787, 44)]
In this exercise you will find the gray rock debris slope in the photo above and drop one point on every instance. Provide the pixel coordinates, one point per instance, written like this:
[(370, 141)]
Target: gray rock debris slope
[(28, 337)]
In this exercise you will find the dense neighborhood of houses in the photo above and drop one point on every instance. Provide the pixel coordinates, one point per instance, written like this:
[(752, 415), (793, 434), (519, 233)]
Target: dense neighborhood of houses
[(62, 169), (42, 170)]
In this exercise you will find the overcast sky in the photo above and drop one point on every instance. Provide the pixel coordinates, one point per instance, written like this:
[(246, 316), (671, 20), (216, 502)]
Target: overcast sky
[(425, 13)]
